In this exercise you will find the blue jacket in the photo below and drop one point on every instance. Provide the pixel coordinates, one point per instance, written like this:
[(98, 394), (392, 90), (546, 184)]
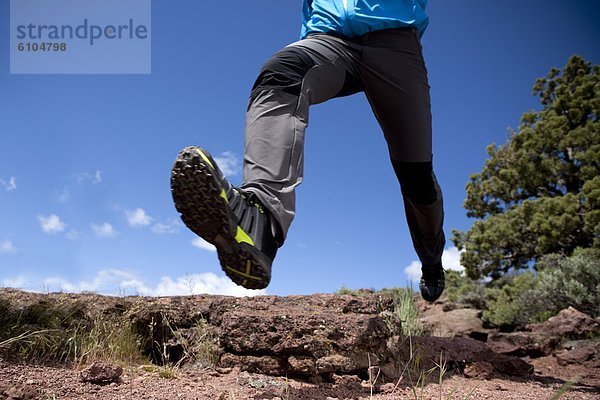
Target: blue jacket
[(357, 17)]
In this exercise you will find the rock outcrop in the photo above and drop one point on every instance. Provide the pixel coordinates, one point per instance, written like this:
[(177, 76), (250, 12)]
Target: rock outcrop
[(523, 344), (457, 353), (303, 336), (569, 323), (563, 335), (317, 337), (458, 322)]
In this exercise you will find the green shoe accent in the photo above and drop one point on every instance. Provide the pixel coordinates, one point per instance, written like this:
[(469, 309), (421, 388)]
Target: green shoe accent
[(205, 158), (245, 274), (224, 195), (242, 237)]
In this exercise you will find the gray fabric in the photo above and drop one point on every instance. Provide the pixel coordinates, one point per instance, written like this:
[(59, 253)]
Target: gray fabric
[(388, 67)]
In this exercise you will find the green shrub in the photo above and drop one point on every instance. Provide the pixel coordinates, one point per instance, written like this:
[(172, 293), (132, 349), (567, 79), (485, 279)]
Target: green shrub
[(567, 281), (464, 290), (355, 292), (561, 282), (506, 300)]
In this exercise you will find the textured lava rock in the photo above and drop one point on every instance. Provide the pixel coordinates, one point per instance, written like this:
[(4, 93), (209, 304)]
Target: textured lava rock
[(457, 353), (567, 323), (101, 373)]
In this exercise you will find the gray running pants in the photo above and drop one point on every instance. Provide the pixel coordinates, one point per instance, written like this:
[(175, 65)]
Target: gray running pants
[(388, 67)]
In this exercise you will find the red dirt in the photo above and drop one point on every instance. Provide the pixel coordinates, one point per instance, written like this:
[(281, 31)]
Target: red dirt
[(39, 382)]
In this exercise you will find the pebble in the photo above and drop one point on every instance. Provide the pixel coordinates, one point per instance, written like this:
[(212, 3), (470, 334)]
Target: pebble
[(387, 387)]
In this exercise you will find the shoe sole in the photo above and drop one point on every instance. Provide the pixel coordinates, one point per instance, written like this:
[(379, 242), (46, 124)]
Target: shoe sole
[(203, 205)]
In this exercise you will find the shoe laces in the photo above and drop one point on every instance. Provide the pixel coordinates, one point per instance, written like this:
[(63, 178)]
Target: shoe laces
[(253, 200)]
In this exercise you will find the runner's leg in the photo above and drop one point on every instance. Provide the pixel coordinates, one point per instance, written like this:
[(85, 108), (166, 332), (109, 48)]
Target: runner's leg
[(396, 85), (307, 72)]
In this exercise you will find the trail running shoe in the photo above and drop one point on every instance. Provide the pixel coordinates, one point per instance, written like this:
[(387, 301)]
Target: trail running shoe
[(432, 282), (235, 222)]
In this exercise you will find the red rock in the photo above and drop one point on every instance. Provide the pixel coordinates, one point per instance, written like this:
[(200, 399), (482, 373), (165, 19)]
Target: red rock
[(479, 370), (522, 344), (567, 323), (579, 353), (101, 373), (459, 351), (461, 322)]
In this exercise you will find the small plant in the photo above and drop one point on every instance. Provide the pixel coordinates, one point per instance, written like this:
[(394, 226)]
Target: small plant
[(373, 372), (194, 345), (168, 371), (417, 375), (404, 320), (109, 339), (287, 388), (190, 282), (200, 346), (412, 369), (565, 387), (7, 343), (442, 371)]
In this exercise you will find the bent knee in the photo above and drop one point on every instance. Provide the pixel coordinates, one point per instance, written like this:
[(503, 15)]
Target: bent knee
[(285, 71), (417, 181)]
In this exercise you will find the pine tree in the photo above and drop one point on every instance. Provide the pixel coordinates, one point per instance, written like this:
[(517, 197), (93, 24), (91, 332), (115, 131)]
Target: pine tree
[(539, 193)]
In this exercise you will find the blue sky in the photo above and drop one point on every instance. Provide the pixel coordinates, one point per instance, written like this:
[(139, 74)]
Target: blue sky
[(85, 159)]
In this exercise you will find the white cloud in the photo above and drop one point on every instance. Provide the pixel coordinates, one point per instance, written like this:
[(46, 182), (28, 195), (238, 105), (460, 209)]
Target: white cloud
[(208, 283), (104, 230), (229, 163), (171, 225), (450, 261), (82, 177), (138, 218), (10, 185), (17, 282), (100, 283), (203, 244), (73, 234), (97, 177), (111, 281), (51, 224), (7, 247), (62, 196), (413, 271)]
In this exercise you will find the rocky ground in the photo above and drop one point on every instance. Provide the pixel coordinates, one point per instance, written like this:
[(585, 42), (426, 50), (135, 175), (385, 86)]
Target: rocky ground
[(35, 382), (321, 347)]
